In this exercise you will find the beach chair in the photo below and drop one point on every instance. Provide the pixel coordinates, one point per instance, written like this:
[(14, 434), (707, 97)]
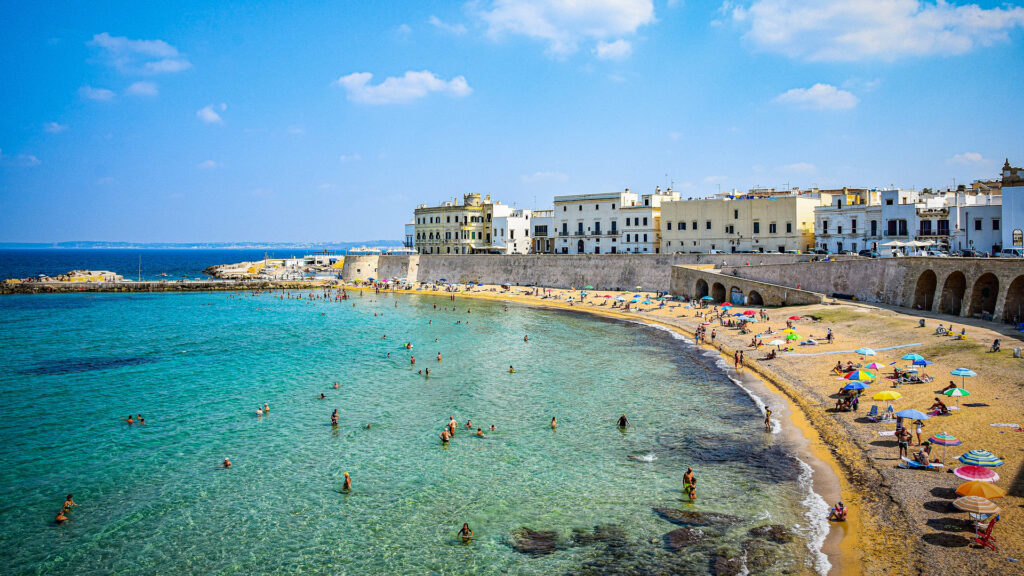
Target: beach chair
[(890, 413), (985, 539), (915, 465), (873, 414)]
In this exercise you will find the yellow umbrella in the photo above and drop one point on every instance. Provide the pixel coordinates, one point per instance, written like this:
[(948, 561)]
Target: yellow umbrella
[(888, 395), (788, 331), (983, 489)]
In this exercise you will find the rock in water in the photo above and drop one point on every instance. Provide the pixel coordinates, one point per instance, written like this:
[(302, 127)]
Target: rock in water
[(722, 566), (534, 542), (774, 532), (693, 518), (683, 537)]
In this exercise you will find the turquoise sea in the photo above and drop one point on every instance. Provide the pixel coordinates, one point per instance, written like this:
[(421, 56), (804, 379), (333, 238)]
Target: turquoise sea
[(152, 499)]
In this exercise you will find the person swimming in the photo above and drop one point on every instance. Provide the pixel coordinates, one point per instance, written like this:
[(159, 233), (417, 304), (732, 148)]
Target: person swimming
[(511, 370), (623, 421), (554, 422), (259, 411), (347, 485), (480, 433), (61, 518), (445, 436), (334, 417), (227, 463), (322, 397), (469, 424), (526, 338), (412, 360), (129, 419), (438, 356), (466, 534), (493, 428), (69, 503), (336, 382)]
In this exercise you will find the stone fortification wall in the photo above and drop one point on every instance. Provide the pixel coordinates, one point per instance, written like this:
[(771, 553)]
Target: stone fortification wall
[(870, 280), (698, 281), (626, 271)]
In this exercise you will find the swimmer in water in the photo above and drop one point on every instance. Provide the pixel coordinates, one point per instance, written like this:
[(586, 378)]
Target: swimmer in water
[(227, 463), (493, 428), (511, 370), (412, 360), (129, 419), (480, 433), (445, 436), (69, 503), (389, 354), (469, 424), (428, 372), (554, 422), (334, 417), (142, 420), (348, 483), (259, 411), (438, 356), (336, 383), (623, 421), (526, 338), (466, 534), (322, 397), (61, 518)]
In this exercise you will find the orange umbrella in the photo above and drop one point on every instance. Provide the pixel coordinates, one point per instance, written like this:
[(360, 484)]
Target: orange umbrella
[(979, 488)]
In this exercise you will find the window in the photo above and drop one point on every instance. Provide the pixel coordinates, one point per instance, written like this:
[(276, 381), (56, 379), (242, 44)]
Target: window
[(565, 228), (511, 235), (853, 226), (977, 223), (682, 225), (707, 225), (564, 208), (597, 227), (757, 227), (888, 201), (874, 227), (647, 201), (613, 208), (995, 223), (540, 231), (645, 239), (694, 227), (903, 227), (824, 226), (839, 229), (926, 227), (581, 207), (891, 227), (668, 225), (772, 228), (614, 229), (943, 227), (735, 214), (449, 219), (579, 228)]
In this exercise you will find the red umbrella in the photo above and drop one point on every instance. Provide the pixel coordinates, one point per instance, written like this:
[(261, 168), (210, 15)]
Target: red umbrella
[(749, 312), (794, 318), (976, 473)]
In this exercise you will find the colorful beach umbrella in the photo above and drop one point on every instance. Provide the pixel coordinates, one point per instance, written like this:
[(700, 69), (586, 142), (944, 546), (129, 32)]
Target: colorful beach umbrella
[(874, 366), (856, 386), (588, 287), (788, 331), (912, 414), (964, 373), (976, 505), (957, 393), (865, 351), (982, 489), (943, 439), (738, 314), (726, 305), (912, 357), (981, 458), (795, 318), (888, 395), (923, 362), (749, 313), (976, 473), (860, 375), (792, 336)]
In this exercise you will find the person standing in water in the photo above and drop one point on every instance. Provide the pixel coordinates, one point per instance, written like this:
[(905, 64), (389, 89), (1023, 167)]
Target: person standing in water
[(767, 419), (466, 534), (623, 421), (347, 485), (554, 422)]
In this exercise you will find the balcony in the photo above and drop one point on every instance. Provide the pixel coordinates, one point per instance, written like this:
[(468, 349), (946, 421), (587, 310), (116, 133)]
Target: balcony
[(929, 233)]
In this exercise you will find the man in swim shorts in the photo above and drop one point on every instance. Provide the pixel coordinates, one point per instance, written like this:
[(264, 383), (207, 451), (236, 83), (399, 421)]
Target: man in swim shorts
[(623, 421)]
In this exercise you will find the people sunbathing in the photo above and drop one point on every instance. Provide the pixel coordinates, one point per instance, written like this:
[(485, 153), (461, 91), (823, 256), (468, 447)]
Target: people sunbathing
[(939, 407)]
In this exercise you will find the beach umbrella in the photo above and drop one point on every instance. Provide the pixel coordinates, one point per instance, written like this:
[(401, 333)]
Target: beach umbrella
[(874, 366), (792, 337), (957, 393), (795, 318), (912, 414), (981, 458), (620, 299), (923, 363), (856, 386), (865, 351), (706, 298), (607, 295), (788, 331), (738, 314), (888, 395), (964, 373), (647, 302), (943, 439), (982, 489), (975, 505), (777, 342), (726, 305), (912, 357), (749, 313), (588, 287), (860, 376), (976, 473), (637, 296)]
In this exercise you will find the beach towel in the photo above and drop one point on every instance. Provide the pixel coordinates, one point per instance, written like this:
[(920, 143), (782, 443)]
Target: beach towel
[(1002, 425), (887, 433)]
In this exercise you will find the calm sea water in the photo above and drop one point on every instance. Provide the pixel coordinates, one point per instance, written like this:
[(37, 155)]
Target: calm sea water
[(153, 501), (176, 264)]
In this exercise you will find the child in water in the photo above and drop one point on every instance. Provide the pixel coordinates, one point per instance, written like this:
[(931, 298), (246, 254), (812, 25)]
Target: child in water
[(466, 534)]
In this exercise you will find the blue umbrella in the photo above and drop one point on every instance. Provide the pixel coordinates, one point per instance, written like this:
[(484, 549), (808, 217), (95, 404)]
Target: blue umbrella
[(964, 373), (706, 298), (738, 314), (865, 351), (636, 296), (923, 363), (856, 386), (912, 357), (981, 458), (912, 414), (647, 302)]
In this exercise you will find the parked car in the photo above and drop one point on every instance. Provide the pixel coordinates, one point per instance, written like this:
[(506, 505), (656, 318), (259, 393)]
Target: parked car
[(1012, 253), (868, 254), (936, 253), (967, 253)]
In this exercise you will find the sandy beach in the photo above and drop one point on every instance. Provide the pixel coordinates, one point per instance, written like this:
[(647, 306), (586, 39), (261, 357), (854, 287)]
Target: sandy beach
[(901, 521)]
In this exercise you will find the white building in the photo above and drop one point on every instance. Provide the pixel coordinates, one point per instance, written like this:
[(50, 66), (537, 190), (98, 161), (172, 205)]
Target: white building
[(641, 222), (1012, 207), (848, 220), (590, 223), (410, 235), (950, 220), (510, 230), (542, 232)]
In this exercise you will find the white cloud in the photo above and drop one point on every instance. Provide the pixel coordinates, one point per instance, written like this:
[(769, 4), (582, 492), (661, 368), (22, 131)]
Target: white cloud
[(617, 50), (799, 168), (207, 165), (25, 160), (968, 158), (394, 90), (54, 127), (544, 177), (140, 56), (91, 93), (457, 29), (209, 115), (564, 24), (142, 89), (852, 30), (344, 158), (403, 30), (818, 97)]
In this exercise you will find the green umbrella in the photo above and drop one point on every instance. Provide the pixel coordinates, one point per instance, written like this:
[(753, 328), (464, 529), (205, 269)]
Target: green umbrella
[(588, 287)]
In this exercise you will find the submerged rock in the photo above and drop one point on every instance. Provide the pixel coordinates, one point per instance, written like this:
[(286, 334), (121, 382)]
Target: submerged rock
[(605, 534), (534, 542), (722, 566), (774, 532), (760, 555), (694, 518), (682, 537)]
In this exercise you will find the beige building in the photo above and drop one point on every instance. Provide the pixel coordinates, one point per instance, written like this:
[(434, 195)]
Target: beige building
[(641, 222), (451, 228), (748, 223)]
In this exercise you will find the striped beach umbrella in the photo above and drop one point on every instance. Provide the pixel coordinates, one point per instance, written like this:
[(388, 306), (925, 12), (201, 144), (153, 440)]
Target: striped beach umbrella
[(981, 458), (860, 376), (976, 473), (976, 505), (963, 373), (943, 439), (912, 357), (982, 489), (865, 351), (874, 366), (957, 393)]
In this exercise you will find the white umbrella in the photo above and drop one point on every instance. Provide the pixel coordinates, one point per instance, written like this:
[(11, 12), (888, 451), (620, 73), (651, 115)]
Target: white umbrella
[(777, 342), (894, 243)]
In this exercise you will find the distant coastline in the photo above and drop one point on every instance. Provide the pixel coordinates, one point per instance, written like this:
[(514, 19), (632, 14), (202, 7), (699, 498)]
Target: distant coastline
[(98, 245)]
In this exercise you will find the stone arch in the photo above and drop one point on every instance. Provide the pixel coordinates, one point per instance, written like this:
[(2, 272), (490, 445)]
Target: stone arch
[(924, 293), (735, 295), (953, 293), (984, 294), (701, 288), (1013, 308), (754, 298), (718, 292)]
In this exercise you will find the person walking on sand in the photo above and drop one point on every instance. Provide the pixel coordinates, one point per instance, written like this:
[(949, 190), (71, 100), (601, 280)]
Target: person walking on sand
[(767, 419), (736, 359), (919, 428), (903, 441)]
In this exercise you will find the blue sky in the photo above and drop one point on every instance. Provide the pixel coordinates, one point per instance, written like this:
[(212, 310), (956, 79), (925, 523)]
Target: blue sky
[(178, 122)]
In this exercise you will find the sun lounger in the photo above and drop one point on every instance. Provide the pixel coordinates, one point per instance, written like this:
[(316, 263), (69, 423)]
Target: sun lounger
[(913, 465), (985, 539), (873, 414)]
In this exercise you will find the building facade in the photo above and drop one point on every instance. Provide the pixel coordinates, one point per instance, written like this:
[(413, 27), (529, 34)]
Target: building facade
[(948, 220), (590, 223), (451, 228), (641, 222), (1013, 206), (848, 220), (778, 223), (510, 231), (410, 235), (542, 232)]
